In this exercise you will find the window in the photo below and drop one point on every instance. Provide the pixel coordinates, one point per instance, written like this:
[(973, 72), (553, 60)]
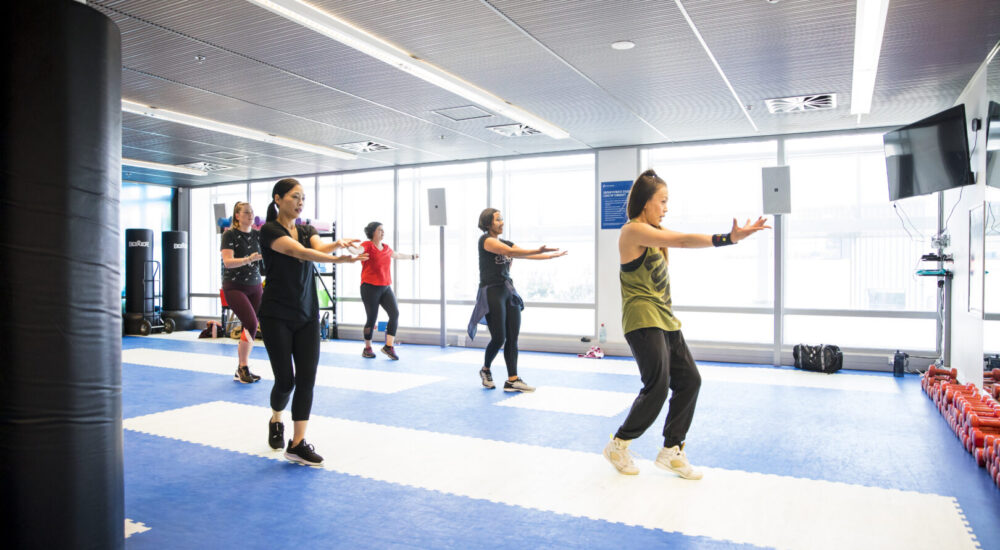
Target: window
[(145, 207), (550, 200), (206, 240), (465, 194), (353, 201), (708, 186), (850, 248)]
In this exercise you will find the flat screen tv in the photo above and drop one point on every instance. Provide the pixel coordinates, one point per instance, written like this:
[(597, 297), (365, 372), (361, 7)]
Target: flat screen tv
[(993, 145), (929, 155)]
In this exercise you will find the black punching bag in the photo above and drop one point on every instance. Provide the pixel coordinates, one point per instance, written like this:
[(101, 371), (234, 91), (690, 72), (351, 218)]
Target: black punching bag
[(60, 331), (176, 308), (139, 288)]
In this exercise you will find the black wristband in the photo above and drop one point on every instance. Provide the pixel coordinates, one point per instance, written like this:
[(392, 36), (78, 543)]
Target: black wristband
[(722, 239)]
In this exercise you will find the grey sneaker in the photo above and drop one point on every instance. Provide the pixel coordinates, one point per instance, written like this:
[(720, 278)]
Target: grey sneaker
[(674, 459), (620, 457), (487, 378), (303, 453), (517, 385)]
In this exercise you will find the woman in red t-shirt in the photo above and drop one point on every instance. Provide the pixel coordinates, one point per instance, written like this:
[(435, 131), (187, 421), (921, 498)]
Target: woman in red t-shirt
[(376, 288)]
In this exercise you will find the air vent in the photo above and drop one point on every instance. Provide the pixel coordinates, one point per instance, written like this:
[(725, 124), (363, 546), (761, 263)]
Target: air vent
[(205, 166), (467, 112), (224, 156), (514, 130), (802, 103), (364, 147)]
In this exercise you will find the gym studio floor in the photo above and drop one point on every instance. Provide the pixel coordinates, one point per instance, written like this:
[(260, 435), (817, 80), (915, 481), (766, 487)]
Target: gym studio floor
[(419, 455)]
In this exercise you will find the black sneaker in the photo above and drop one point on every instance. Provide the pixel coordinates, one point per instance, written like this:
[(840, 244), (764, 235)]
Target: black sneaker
[(391, 352), (244, 376), (517, 385), (275, 435), (303, 453), (368, 353), (487, 378)]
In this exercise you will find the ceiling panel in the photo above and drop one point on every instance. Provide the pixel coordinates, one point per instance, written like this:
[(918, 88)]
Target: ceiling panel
[(232, 61)]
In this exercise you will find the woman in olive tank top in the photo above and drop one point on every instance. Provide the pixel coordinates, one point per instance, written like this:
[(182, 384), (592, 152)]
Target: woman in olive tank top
[(651, 330)]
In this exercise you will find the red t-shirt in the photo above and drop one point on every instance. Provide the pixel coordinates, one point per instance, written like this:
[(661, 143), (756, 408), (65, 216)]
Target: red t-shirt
[(375, 270)]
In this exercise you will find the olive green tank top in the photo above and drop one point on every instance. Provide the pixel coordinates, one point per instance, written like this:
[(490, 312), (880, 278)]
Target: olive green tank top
[(646, 293)]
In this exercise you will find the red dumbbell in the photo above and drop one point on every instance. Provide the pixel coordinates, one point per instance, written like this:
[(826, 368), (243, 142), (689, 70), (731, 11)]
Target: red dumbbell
[(978, 435), (976, 421), (935, 371)]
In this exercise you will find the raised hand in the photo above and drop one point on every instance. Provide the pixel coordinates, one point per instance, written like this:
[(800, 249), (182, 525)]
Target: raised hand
[(346, 243), (739, 233), (542, 249), (557, 254), (359, 258)]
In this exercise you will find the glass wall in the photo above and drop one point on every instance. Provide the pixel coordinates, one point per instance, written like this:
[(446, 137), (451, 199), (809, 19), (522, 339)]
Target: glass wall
[(849, 248)]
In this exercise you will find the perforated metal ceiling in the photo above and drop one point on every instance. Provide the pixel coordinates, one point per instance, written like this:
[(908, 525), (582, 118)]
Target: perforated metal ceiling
[(552, 58)]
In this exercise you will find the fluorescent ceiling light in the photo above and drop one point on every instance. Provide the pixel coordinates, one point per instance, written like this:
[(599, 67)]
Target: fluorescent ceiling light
[(369, 44), (240, 131), (867, 45), (164, 167)]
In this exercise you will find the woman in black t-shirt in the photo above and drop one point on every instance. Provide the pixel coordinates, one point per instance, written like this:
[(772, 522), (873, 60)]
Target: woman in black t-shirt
[(289, 313), (241, 282), (498, 300)]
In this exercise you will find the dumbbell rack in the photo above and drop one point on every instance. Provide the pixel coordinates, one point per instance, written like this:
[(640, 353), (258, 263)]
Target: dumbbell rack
[(972, 413)]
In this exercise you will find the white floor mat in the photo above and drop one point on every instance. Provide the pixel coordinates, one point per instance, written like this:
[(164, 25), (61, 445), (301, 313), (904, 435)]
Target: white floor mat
[(743, 507), (572, 400), (333, 377)]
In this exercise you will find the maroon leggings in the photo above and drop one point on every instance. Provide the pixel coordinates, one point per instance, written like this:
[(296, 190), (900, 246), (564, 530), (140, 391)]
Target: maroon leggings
[(244, 300)]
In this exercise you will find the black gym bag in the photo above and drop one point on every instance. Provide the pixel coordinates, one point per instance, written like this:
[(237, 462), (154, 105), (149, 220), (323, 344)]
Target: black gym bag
[(821, 358)]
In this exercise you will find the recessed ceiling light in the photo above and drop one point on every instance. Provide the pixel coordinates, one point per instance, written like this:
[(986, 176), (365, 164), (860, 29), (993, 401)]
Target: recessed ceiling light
[(199, 58), (623, 45)]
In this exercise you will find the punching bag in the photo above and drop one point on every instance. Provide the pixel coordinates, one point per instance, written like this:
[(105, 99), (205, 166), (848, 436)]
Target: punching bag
[(176, 308), (139, 286), (60, 324)]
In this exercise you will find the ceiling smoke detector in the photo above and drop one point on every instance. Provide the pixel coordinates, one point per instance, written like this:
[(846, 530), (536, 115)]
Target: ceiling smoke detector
[(205, 166), (514, 130), (365, 147), (802, 103)]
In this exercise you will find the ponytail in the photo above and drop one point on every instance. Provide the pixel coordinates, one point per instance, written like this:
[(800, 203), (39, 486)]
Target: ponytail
[(280, 189)]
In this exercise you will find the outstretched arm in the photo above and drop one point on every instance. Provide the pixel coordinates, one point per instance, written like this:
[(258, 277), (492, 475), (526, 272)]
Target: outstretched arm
[(547, 256), (401, 256), (495, 246), (328, 247), (641, 234), (290, 247)]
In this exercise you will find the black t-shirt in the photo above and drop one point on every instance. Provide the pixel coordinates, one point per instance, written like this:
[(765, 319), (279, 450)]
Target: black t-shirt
[(242, 244), (290, 289), (494, 269)]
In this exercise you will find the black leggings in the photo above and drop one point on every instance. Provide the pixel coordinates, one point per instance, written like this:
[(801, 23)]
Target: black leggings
[(664, 362), (374, 296), (504, 322), (244, 300), (285, 341)]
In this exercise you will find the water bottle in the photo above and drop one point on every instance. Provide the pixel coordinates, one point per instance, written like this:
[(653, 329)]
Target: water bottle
[(324, 329), (602, 334)]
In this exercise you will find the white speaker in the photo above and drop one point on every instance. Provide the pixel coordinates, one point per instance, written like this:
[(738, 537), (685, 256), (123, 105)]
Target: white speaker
[(777, 189), (437, 213)]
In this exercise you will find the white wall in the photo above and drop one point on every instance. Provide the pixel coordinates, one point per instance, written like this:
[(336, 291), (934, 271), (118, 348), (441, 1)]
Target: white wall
[(612, 165), (966, 325)]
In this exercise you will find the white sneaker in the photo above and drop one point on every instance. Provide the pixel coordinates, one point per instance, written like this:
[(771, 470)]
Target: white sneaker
[(674, 459), (517, 385), (620, 457)]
